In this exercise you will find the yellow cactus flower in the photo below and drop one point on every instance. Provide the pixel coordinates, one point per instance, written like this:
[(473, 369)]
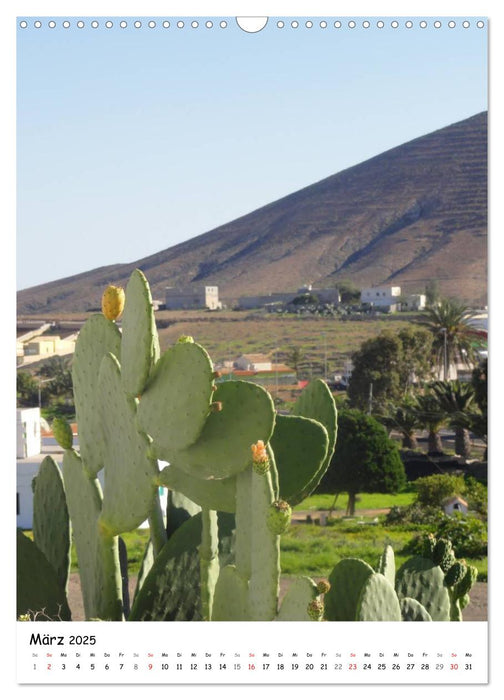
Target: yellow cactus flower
[(113, 302)]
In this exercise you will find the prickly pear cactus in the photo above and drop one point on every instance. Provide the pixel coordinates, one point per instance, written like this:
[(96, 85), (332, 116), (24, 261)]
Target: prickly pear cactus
[(301, 602), (97, 337), (422, 580), (125, 457), (39, 593), (378, 601), (413, 611), (51, 523), (300, 446), (347, 580), (140, 343)]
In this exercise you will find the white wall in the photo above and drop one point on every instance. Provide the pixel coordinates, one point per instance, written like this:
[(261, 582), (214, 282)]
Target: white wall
[(381, 296), (28, 442)]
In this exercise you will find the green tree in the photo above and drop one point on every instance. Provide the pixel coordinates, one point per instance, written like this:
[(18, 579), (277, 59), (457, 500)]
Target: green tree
[(58, 370), (296, 359), (479, 381), (430, 417), (365, 459), (387, 366), (403, 419), (452, 335), (456, 399), (478, 419), (349, 293), (26, 389), (305, 298)]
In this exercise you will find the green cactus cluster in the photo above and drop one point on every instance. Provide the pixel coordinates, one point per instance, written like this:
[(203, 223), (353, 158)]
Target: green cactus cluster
[(136, 407), (233, 468), (420, 590)]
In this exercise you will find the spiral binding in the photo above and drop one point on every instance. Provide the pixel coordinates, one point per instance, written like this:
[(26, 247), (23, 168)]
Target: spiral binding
[(288, 23)]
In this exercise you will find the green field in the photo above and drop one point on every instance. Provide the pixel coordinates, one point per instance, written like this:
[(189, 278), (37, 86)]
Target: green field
[(228, 334), (311, 550)]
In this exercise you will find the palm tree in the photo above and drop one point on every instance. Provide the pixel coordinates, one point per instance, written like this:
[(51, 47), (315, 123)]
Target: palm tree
[(431, 417), (453, 336), (404, 419), (456, 399)]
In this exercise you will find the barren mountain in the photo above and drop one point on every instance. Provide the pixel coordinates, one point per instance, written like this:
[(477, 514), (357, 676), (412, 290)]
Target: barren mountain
[(415, 213)]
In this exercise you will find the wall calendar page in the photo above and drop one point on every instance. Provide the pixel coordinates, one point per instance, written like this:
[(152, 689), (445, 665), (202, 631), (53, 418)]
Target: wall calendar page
[(252, 347)]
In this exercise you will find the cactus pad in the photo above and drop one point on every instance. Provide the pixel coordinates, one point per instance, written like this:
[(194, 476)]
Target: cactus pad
[(140, 342), (317, 402), (300, 595), (51, 525), (300, 447), (346, 579), (214, 494), (125, 453), (97, 554), (223, 447), (231, 596), (386, 564), (422, 580), (413, 611), (38, 589), (176, 401), (378, 601), (97, 337), (62, 433), (171, 589)]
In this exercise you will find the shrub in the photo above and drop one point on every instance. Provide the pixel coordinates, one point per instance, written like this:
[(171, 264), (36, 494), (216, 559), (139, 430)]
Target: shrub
[(467, 534), (433, 490), (476, 495), (415, 514)]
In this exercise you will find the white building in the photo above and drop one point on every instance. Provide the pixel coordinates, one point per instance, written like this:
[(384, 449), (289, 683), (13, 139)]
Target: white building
[(31, 452), (413, 302), (197, 297), (28, 437), (387, 298), (455, 504), (254, 363)]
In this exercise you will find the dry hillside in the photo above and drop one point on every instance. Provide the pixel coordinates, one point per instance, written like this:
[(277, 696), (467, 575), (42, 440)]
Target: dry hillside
[(415, 213)]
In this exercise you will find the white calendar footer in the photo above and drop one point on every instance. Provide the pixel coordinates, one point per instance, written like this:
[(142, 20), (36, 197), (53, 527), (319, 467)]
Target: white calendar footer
[(252, 652)]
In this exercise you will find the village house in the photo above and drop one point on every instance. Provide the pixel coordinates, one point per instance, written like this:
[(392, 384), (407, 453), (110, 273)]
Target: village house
[(384, 298), (196, 297)]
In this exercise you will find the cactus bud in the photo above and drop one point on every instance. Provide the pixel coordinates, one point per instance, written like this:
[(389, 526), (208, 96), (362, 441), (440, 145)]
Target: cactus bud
[(185, 339), (113, 302), (323, 586), (279, 517), (428, 544), (455, 574), (260, 460), (62, 433), (315, 609), (463, 587), (443, 555), (216, 406), (216, 374)]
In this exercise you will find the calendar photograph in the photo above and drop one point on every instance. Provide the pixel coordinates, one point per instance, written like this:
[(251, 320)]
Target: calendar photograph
[(251, 349)]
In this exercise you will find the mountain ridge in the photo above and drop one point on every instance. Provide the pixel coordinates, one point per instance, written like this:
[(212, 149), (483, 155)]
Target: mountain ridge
[(411, 214)]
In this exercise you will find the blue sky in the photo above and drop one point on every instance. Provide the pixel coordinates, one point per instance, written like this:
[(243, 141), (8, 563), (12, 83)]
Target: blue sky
[(132, 140)]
